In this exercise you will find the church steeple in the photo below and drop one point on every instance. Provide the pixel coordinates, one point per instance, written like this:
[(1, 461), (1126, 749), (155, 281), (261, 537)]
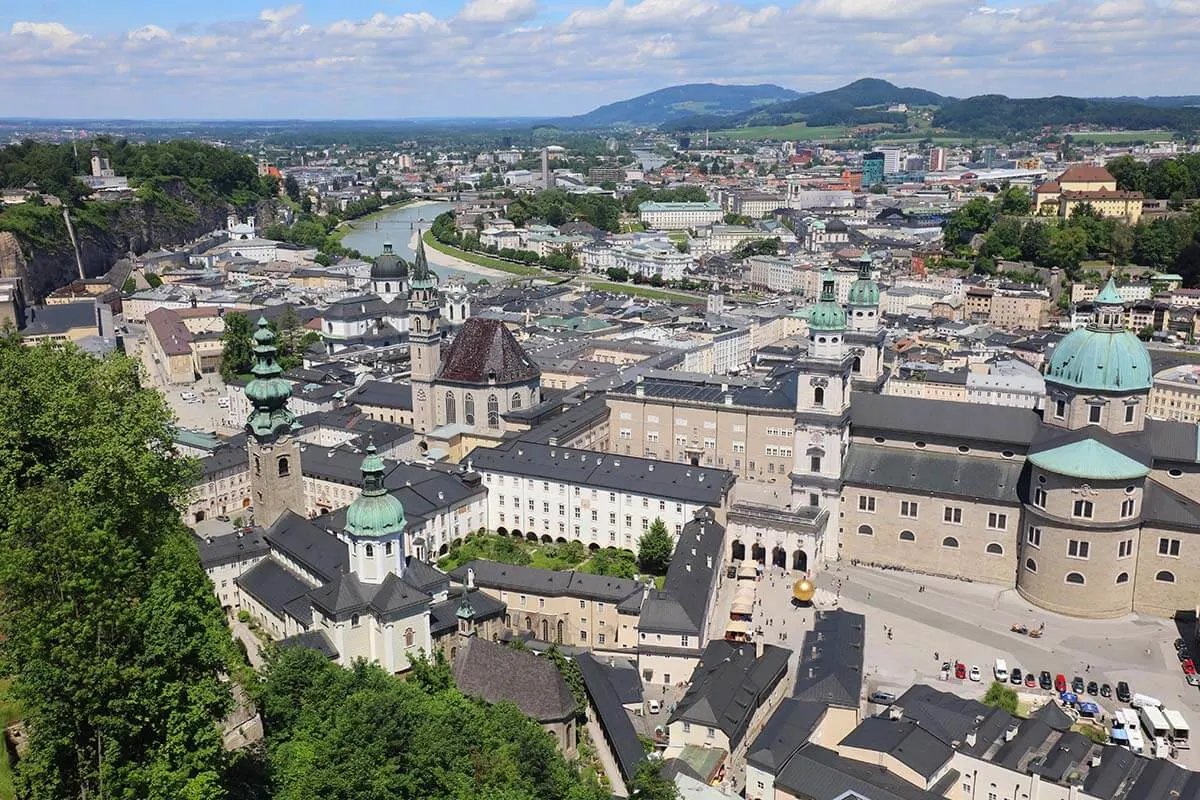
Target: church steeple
[(424, 341), (267, 391), (466, 615), (375, 525)]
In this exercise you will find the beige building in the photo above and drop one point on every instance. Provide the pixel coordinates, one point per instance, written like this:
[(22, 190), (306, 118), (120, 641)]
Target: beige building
[(1088, 185), (1175, 394)]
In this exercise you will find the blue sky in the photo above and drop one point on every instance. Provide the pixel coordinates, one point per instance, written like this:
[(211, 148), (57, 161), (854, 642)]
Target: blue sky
[(420, 58)]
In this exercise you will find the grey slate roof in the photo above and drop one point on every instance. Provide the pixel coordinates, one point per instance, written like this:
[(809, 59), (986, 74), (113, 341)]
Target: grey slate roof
[(786, 732), (425, 577), (1054, 717), (950, 717), (903, 740), (1031, 735), (930, 472), (1167, 507), (1117, 766), (607, 471), (396, 598), (617, 727), (384, 395), (313, 640), (443, 616), (495, 672), (216, 551), (778, 394), (1071, 750), (344, 594), (912, 417), (816, 773), (1161, 779), (550, 583), (272, 585), (682, 604), (230, 455), (309, 546), (831, 660), (729, 684), (59, 318)]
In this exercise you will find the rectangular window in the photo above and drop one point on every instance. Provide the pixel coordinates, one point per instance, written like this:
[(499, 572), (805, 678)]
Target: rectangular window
[(683, 641), (739, 447), (997, 522), (866, 503), (652, 436), (814, 464), (710, 733), (612, 518), (625, 433), (600, 637), (1077, 549), (1094, 413), (1127, 507), (541, 602), (1034, 536), (1168, 547), (583, 636), (595, 515), (1083, 509), (1060, 409), (952, 515), (1125, 548), (1129, 413), (687, 727), (908, 509), (531, 505), (1039, 497)]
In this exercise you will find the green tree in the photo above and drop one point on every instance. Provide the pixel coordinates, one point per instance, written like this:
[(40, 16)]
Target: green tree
[(655, 548), (111, 632), (237, 348), (129, 286), (153, 280), (611, 562), (292, 187), (649, 784), (1001, 696), (618, 274)]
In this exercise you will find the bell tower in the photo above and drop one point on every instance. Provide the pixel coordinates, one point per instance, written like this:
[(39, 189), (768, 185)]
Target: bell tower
[(276, 480), (424, 341), (864, 337)]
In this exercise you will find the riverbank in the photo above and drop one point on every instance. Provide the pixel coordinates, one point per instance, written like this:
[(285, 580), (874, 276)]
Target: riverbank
[(347, 225), (475, 262)]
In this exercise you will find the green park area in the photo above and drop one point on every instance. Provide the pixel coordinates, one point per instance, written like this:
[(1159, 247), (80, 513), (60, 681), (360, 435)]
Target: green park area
[(795, 130), (481, 260), (1120, 137)]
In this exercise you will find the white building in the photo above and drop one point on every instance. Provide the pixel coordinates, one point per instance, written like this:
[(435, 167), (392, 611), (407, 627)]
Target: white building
[(678, 216), (654, 258), (771, 273)]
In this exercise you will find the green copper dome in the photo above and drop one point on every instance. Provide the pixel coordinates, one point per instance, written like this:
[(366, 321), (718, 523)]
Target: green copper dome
[(374, 512), (864, 291), (267, 391), (1103, 356), (827, 314)]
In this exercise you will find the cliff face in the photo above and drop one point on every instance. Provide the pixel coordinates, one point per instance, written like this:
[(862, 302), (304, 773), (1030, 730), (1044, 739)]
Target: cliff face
[(105, 232)]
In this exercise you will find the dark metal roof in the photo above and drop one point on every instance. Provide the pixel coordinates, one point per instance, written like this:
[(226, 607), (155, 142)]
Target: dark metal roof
[(546, 582), (729, 684), (230, 548), (443, 616), (950, 717), (309, 546), (786, 732), (903, 740), (1117, 766), (484, 352), (816, 773), (272, 585), (1172, 441), (384, 395), (313, 640), (831, 660), (495, 672), (614, 721), (1162, 779), (682, 604), (679, 482), (937, 473), (912, 417), (1165, 506)]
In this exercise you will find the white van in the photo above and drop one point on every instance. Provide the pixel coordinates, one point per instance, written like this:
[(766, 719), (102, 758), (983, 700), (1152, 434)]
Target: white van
[(1144, 700), (1000, 670)]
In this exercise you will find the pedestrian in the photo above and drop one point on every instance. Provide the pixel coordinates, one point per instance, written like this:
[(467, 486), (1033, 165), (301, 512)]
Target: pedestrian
[(868, 595), (935, 656)]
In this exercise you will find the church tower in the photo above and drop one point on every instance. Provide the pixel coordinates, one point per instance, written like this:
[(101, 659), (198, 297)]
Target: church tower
[(822, 406), (375, 525), (276, 480), (865, 337), (424, 342)]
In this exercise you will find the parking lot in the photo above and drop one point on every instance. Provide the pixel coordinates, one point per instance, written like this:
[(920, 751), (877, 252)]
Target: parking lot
[(201, 412)]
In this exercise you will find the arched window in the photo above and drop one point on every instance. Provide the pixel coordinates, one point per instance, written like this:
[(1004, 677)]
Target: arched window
[(545, 630), (818, 396), (387, 288), (949, 541), (1031, 565), (354, 620), (528, 623), (865, 530), (516, 400), (1123, 577), (856, 365), (995, 549), (1075, 577), (1165, 576), (370, 551), (469, 409), (907, 536), (493, 411), (284, 469), (257, 465), (409, 637), (451, 410)]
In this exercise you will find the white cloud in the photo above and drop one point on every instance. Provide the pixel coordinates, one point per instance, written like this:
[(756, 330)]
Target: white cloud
[(148, 33), (55, 34), (278, 17), (497, 11)]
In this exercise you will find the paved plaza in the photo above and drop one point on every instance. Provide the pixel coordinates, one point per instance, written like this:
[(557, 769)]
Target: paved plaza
[(970, 622)]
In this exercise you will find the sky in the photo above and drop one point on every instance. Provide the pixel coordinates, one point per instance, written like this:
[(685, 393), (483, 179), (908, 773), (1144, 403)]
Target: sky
[(383, 59)]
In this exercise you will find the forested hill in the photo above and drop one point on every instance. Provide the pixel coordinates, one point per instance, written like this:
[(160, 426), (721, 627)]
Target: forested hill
[(673, 102), (997, 115), (844, 105)]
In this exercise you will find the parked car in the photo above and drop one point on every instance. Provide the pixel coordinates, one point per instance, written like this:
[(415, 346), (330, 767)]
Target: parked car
[(975, 674), (655, 706), (1015, 676), (1189, 668), (960, 670), (1123, 693), (1044, 680), (883, 698), (1077, 685), (1093, 688), (1031, 680), (187, 396), (1193, 679), (1105, 690), (1060, 683), (223, 518)]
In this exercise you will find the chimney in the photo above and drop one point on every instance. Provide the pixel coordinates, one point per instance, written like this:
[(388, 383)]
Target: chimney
[(895, 712), (651, 468), (972, 737), (1010, 734), (708, 561), (689, 567), (759, 644), (552, 441), (470, 577), (640, 391)]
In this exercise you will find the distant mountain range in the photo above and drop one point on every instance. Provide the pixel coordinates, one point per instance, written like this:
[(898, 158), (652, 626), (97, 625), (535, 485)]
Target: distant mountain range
[(674, 102), (707, 106)]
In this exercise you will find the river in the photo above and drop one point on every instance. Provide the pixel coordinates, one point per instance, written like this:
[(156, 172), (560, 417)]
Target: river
[(399, 226)]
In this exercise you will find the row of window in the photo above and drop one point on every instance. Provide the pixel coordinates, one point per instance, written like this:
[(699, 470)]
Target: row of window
[(1077, 548), (493, 408), (1162, 576), (962, 448), (909, 509), (562, 509), (1095, 412), (1085, 509), (993, 548)]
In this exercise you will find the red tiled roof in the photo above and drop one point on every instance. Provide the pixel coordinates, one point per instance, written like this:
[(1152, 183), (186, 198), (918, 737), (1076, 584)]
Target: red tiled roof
[(1085, 174), (172, 335), (484, 351), (1047, 188)]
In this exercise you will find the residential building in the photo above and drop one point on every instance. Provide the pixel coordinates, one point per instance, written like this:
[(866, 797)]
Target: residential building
[(1175, 394), (1091, 186), (678, 216)]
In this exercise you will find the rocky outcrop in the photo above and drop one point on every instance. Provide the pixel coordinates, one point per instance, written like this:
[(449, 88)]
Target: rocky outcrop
[(107, 231)]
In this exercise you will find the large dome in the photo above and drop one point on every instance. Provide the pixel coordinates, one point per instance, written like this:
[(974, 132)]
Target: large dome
[(1101, 360), (827, 314), (374, 512), (388, 265)]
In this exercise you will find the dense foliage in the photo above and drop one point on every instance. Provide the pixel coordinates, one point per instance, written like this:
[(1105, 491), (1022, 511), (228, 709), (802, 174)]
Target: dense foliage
[(556, 207), (361, 734), (677, 194), (1166, 179), (997, 115), (109, 626), (655, 548), (237, 346)]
